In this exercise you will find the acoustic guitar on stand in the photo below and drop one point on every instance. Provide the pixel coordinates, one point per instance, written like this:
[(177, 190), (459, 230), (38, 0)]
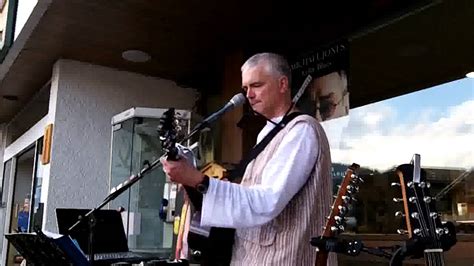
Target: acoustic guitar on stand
[(335, 224)]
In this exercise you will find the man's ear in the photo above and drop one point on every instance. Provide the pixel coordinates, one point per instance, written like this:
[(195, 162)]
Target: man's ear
[(283, 84)]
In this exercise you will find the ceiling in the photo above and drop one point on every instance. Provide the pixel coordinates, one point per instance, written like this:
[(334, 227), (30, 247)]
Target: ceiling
[(395, 46)]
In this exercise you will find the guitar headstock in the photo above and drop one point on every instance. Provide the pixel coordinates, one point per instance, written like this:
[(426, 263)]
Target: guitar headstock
[(419, 211), (345, 196), (168, 129)]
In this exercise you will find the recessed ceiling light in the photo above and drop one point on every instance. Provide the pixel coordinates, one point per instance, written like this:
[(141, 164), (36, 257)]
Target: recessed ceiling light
[(470, 75), (10, 97), (136, 56)]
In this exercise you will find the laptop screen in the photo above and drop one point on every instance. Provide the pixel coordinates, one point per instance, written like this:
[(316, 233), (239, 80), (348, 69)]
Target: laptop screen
[(109, 234)]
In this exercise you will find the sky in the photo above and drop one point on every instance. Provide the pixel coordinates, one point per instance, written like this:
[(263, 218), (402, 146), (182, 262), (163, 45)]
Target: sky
[(437, 123), (24, 9)]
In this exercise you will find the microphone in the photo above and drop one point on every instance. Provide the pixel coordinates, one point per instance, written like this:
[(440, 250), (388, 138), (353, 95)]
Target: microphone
[(237, 100)]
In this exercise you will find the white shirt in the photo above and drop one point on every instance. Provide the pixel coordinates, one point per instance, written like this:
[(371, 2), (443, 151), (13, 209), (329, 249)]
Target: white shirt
[(231, 205)]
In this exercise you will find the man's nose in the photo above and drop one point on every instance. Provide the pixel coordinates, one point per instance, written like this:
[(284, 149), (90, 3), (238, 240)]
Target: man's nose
[(250, 93)]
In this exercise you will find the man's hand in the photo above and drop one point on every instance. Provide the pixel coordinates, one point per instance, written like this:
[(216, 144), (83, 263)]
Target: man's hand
[(182, 172)]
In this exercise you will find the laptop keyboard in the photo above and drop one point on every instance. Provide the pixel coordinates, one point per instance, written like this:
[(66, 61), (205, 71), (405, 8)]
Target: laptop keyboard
[(125, 256)]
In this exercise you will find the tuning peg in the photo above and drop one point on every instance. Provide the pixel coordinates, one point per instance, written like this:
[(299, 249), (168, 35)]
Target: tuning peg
[(415, 215), (427, 199), (434, 215), (351, 189), (397, 199), (338, 219), (346, 199), (342, 210), (337, 228), (412, 199), (446, 230), (440, 231), (402, 231), (399, 214), (395, 184), (410, 184), (424, 184), (356, 179), (417, 231)]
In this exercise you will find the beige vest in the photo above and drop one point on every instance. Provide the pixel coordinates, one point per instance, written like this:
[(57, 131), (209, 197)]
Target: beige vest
[(286, 239)]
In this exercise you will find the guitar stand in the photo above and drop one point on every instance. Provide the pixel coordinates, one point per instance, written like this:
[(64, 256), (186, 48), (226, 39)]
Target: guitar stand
[(415, 248), (333, 244), (379, 251), (349, 247)]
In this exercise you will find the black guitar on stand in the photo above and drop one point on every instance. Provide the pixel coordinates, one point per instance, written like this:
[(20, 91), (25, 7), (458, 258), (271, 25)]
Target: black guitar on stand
[(428, 236)]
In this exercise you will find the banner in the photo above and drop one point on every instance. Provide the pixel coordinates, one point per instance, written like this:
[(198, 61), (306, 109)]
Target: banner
[(327, 96)]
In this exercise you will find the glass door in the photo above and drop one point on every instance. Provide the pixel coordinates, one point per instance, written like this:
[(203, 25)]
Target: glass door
[(20, 211), (7, 167), (26, 204)]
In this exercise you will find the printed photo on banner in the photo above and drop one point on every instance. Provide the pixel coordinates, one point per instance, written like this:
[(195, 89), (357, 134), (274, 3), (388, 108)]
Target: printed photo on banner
[(327, 96)]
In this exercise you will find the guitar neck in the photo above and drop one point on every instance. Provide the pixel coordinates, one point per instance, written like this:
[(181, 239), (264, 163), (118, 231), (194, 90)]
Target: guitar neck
[(434, 257)]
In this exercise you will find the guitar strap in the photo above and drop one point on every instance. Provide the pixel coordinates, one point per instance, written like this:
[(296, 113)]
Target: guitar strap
[(257, 149), (238, 172)]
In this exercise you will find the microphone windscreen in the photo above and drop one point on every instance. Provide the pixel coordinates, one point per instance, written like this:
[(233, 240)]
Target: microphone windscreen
[(238, 99)]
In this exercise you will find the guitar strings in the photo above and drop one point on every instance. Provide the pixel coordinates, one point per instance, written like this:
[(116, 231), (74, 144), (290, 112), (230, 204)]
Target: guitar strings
[(434, 259), (421, 220), (432, 221)]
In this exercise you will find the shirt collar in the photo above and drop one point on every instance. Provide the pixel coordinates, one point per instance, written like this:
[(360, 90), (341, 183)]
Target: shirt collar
[(275, 120)]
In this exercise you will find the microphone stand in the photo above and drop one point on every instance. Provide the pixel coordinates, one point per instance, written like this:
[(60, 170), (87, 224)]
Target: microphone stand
[(90, 216), (118, 190)]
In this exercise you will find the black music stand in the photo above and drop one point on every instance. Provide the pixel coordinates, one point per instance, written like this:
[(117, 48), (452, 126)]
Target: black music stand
[(39, 249)]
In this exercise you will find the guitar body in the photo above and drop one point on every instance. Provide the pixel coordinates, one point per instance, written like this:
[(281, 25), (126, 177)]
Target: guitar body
[(215, 250)]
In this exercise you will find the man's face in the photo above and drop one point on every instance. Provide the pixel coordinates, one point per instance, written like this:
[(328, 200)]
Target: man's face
[(264, 90), (328, 92)]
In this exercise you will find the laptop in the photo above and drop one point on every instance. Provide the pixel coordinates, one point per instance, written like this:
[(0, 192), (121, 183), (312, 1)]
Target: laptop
[(110, 242)]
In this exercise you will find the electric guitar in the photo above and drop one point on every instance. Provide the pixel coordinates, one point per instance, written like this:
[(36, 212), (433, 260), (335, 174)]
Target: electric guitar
[(336, 220), (428, 236)]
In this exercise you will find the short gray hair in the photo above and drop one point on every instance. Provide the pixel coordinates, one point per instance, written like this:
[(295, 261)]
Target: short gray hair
[(274, 63)]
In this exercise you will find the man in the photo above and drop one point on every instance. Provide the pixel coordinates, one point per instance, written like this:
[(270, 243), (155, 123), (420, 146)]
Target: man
[(329, 93), (285, 192)]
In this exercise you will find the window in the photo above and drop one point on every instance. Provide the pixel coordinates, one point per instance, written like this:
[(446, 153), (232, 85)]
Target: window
[(436, 123)]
